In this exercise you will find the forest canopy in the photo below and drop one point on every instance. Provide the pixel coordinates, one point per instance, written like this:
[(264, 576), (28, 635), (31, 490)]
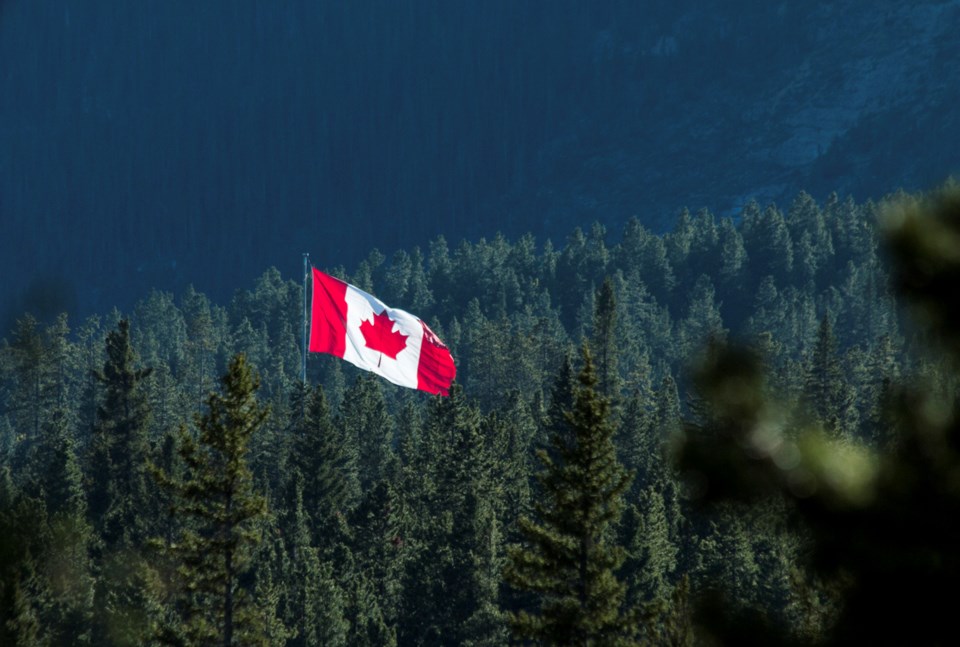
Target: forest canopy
[(347, 511)]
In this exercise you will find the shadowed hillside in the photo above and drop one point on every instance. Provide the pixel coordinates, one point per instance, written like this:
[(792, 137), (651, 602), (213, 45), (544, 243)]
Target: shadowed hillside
[(163, 143)]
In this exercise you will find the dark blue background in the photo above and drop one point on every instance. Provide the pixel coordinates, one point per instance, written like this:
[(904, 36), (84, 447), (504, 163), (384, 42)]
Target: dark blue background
[(156, 143)]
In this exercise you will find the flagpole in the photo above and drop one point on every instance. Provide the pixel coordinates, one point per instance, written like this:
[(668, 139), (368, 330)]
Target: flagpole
[(306, 273)]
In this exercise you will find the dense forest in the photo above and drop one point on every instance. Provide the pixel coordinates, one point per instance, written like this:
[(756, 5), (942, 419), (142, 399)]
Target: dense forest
[(167, 478)]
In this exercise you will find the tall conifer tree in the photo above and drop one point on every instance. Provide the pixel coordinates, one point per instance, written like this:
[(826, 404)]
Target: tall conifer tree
[(221, 514), (825, 389), (120, 446), (568, 557), (325, 457), (605, 341)]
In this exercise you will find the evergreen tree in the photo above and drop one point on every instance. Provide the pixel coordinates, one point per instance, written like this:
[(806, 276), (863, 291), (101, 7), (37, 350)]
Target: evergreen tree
[(732, 277), (569, 558), (813, 241), (46, 579), (67, 565), (517, 429), (703, 321), (767, 314), (651, 555), (725, 559), (312, 601), (33, 392), (201, 342), (733, 255), (678, 241), (121, 507), (644, 254), (606, 342), (325, 458), (316, 602), (419, 295), (120, 449), (484, 626), (561, 401), (767, 242), (22, 627), (90, 361), (220, 514), (269, 585), (368, 627), (581, 263), (367, 423), (633, 437), (825, 389), (457, 506), (379, 525)]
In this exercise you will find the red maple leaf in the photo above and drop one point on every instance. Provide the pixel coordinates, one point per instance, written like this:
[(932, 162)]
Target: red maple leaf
[(380, 335)]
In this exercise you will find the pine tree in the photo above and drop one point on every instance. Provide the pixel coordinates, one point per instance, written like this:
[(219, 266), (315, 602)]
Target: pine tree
[(515, 431), (366, 422), (813, 242), (220, 515), (91, 359), (379, 526), (67, 564), (568, 558), (22, 627), (457, 502), (605, 341), (825, 389), (28, 359), (485, 626), (312, 601), (23, 541), (643, 253), (651, 556), (679, 240), (703, 321), (120, 503), (201, 341), (325, 458), (120, 448), (561, 400), (638, 444), (767, 242)]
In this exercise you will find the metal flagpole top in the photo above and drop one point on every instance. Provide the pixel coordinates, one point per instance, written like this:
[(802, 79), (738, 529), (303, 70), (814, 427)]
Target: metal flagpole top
[(306, 274)]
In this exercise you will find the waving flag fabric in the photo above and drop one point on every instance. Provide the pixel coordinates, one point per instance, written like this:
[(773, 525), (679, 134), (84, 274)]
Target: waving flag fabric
[(349, 323)]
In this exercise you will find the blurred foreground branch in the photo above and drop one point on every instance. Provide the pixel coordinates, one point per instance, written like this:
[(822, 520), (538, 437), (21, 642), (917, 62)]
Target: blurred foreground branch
[(882, 522)]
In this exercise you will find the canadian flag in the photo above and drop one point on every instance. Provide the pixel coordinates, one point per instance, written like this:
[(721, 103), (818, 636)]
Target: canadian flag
[(349, 323)]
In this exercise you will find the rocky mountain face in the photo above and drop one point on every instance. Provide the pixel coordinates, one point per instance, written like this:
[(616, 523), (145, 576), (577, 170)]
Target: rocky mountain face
[(728, 102), (158, 144)]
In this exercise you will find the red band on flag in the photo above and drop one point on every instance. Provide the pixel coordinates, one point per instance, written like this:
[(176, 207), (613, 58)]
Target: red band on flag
[(328, 315), (436, 370)]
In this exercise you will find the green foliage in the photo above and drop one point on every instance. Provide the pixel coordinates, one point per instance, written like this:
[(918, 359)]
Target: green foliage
[(313, 603), (826, 390), (46, 579), (220, 515), (879, 540), (568, 558), (368, 427), (391, 510), (120, 446), (606, 342), (324, 457)]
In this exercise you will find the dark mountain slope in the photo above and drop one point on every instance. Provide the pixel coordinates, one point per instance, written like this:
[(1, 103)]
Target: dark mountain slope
[(160, 143)]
